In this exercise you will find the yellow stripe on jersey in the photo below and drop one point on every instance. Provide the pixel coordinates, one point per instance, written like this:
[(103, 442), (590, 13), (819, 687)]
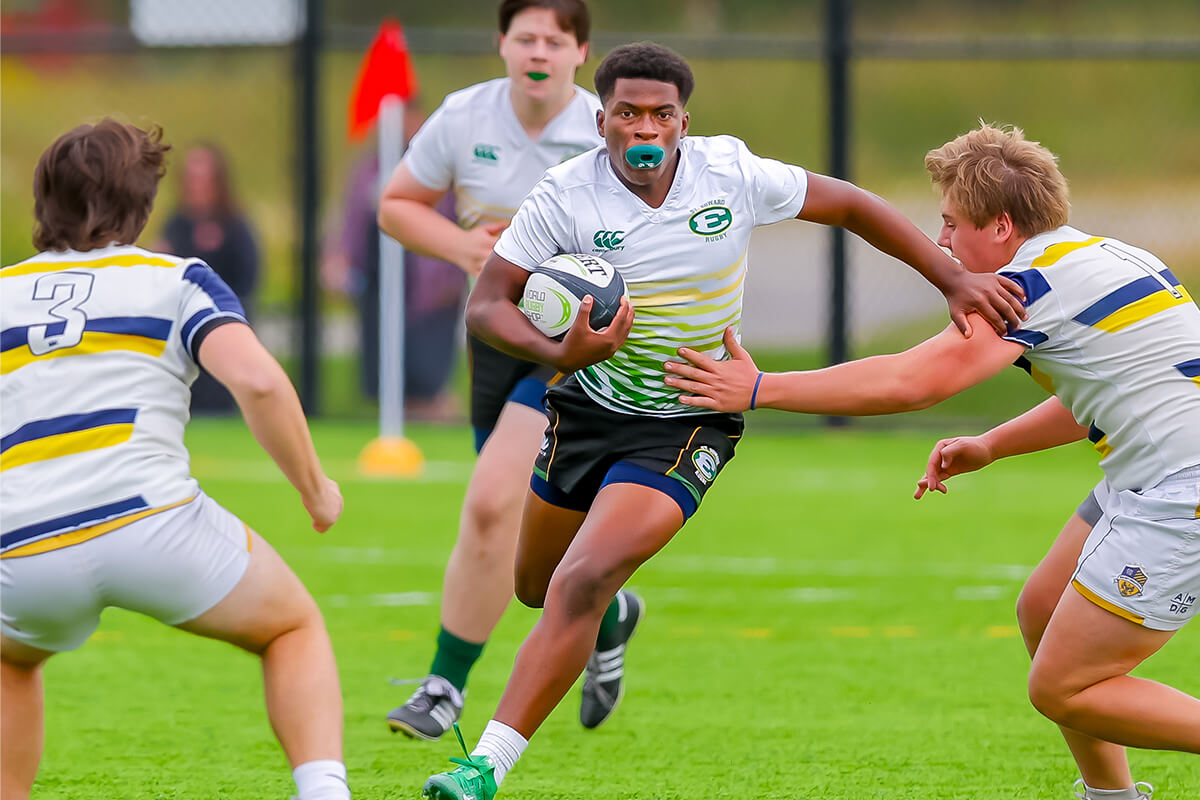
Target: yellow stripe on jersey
[(1107, 606), (84, 534), (1057, 252), (35, 267), (1041, 378), (91, 343), (686, 295), (65, 444), (1141, 309), (1103, 447), (720, 274)]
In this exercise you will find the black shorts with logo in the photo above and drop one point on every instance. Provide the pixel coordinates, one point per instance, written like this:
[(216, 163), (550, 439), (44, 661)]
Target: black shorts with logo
[(494, 376), (585, 441)]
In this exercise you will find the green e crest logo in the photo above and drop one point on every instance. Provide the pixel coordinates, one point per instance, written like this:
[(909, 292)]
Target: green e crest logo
[(711, 221), (608, 240)]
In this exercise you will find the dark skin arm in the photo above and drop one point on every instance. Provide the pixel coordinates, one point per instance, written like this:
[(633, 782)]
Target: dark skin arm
[(834, 202), (493, 316)]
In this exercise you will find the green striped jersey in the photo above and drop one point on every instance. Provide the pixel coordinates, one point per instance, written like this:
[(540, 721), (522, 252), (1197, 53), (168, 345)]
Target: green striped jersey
[(683, 262)]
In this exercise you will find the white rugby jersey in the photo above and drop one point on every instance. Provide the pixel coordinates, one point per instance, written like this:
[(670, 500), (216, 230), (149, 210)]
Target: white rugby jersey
[(475, 143), (97, 354), (684, 262), (1113, 333)]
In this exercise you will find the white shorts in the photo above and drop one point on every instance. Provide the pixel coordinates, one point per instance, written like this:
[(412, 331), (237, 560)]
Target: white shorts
[(1142, 558), (172, 566)]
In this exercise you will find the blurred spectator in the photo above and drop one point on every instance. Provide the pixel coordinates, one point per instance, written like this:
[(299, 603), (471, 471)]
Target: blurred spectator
[(208, 224), (434, 293)]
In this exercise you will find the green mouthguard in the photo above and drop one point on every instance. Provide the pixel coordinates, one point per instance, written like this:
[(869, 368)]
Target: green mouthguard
[(538, 76)]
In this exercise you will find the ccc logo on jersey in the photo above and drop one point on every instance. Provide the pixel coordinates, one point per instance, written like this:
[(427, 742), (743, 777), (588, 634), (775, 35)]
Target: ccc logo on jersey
[(711, 221), (608, 240)]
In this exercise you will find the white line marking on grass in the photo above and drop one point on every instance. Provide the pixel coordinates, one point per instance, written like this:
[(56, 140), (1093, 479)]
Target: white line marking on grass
[(982, 592), (742, 565), (263, 471), (393, 599)]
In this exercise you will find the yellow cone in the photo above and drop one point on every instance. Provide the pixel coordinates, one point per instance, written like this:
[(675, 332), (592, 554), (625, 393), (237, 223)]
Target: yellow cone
[(391, 457)]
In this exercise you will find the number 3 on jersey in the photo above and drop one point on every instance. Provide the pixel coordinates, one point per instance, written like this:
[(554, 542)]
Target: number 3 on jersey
[(71, 290)]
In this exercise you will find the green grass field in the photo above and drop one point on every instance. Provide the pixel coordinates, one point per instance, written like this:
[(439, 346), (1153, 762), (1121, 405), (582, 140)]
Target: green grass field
[(813, 633)]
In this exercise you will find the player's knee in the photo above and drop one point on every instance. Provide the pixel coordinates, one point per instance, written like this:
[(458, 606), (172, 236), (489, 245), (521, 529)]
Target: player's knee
[(491, 518), (1049, 695), (530, 586), (584, 587)]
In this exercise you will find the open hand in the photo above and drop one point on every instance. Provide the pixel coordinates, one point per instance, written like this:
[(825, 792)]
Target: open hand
[(997, 299), (952, 457), (719, 385)]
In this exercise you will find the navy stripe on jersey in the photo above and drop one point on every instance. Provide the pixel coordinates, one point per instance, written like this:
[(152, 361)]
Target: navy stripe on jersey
[(69, 423), (1095, 434), (222, 296), (1032, 281), (1118, 299), (1190, 369), (1027, 338), (75, 520), (147, 327)]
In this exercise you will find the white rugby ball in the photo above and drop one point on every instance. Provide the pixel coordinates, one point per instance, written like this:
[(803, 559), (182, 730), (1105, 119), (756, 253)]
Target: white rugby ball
[(556, 287)]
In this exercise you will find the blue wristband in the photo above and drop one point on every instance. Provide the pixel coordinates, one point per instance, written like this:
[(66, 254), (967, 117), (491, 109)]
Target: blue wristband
[(754, 394)]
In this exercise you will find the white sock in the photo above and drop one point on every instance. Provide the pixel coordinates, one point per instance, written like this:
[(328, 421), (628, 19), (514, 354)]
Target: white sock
[(322, 780), (502, 745), (1131, 793)]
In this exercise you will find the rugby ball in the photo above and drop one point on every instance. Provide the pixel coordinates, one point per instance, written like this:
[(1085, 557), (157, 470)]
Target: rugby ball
[(556, 287)]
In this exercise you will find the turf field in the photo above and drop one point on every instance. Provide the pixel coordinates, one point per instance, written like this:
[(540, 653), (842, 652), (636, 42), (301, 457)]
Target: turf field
[(814, 633)]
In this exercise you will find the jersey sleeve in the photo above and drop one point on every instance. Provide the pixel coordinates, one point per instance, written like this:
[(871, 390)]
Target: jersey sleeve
[(539, 230), (206, 303), (430, 155), (777, 190), (1045, 317)]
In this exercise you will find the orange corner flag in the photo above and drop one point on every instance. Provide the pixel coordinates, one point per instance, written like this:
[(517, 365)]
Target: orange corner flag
[(385, 70)]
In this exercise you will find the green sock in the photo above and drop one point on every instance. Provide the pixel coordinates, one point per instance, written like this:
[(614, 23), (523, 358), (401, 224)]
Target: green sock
[(454, 658), (608, 626)]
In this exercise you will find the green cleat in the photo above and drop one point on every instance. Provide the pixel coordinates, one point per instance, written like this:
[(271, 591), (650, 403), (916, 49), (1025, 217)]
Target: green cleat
[(471, 781)]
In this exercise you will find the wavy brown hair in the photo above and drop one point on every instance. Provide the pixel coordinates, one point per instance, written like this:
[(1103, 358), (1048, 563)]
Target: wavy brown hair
[(96, 185), (991, 170)]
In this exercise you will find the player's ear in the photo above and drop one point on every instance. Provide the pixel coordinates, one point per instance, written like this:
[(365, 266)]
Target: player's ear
[(683, 132), (600, 122), (1004, 227)]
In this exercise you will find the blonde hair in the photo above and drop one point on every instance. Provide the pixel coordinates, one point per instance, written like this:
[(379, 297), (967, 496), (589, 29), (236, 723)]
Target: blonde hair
[(991, 170)]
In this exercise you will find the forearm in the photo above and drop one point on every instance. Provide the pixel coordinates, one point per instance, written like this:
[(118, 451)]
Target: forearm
[(871, 386), (420, 228), (276, 419), (887, 230), (1046, 425), (498, 321)]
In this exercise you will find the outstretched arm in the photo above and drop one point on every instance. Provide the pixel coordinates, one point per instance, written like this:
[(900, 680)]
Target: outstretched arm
[(235, 357), (927, 374), (834, 202), (1046, 425)]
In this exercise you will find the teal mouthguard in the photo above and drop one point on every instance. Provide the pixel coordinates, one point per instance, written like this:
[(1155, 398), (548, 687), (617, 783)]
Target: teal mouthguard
[(645, 156)]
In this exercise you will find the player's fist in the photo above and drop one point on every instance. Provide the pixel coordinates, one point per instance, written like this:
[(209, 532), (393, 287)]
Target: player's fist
[(324, 505)]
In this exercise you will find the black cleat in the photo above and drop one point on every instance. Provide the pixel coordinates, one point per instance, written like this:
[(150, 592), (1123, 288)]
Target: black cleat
[(603, 682), (432, 709)]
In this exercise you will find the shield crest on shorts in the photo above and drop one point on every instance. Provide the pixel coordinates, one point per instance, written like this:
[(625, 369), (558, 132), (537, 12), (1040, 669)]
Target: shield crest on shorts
[(1131, 580)]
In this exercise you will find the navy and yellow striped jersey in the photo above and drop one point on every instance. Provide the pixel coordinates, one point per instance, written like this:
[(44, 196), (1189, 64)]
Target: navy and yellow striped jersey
[(97, 356), (1114, 334)]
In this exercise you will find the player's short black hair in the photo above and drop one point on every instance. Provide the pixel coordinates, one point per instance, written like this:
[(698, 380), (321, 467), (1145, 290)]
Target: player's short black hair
[(96, 185), (644, 60), (572, 15)]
